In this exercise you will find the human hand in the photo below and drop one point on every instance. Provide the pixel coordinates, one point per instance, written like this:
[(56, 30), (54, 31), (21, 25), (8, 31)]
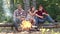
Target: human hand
[(41, 16), (18, 17)]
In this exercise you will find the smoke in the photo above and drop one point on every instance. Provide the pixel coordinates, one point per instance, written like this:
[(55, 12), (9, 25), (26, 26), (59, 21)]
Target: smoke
[(6, 8)]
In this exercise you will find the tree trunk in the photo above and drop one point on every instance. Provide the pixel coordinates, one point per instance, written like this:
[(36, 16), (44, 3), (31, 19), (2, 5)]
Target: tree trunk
[(34, 3), (26, 4)]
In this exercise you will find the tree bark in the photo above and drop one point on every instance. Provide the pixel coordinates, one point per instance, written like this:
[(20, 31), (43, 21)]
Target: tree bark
[(26, 4), (34, 3)]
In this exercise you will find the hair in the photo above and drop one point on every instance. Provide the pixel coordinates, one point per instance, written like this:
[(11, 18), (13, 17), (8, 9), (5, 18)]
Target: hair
[(40, 6), (31, 8), (18, 5)]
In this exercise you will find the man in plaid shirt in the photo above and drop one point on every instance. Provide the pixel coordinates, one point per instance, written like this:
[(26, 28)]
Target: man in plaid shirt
[(18, 14)]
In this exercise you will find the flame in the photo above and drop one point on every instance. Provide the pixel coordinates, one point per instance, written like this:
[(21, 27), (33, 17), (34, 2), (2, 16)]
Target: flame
[(26, 25)]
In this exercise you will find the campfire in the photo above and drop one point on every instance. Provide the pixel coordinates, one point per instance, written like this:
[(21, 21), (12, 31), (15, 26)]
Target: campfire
[(26, 25)]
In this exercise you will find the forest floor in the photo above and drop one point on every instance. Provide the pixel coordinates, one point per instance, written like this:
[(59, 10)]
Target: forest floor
[(8, 30)]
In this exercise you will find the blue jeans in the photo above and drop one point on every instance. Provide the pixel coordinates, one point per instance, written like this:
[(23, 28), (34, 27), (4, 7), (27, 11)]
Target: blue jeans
[(16, 22), (42, 20)]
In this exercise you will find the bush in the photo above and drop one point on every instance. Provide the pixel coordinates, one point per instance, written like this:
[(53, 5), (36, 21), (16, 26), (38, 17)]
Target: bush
[(58, 17)]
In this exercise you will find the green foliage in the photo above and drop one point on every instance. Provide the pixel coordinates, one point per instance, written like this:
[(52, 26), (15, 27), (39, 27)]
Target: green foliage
[(3, 16), (58, 17), (51, 6)]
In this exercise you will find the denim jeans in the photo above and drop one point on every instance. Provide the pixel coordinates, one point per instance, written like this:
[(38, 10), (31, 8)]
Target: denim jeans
[(42, 20), (16, 22)]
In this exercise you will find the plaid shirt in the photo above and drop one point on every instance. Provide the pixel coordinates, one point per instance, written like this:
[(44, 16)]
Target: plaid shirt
[(19, 13)]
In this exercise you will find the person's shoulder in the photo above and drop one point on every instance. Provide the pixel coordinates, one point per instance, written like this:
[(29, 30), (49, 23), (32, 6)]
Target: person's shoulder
[(28, 10), (22, 9), (15, 10), (36, 10)]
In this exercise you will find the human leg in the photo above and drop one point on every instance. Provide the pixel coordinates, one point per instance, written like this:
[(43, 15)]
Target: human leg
[(48, 18), (16, 20)]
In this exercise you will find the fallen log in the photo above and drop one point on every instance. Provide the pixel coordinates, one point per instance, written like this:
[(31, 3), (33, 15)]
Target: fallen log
[(6, 25), (44, 25)]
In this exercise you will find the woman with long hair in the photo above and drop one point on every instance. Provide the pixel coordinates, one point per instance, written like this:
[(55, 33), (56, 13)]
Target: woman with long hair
[(31, 15)]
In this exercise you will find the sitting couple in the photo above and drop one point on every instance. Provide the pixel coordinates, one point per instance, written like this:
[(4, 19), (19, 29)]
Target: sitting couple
[(33, 15)]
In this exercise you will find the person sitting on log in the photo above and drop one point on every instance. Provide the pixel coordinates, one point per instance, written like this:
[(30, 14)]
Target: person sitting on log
[(31, 15), (42, 16), (17, 17)]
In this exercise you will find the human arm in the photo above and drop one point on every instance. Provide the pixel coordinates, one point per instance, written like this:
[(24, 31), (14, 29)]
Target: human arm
[(45, 12), (39, 16)]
